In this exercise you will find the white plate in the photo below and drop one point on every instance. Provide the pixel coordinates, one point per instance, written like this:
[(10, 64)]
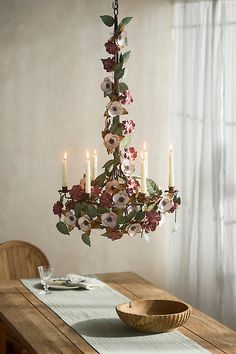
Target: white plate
[(55, 284)]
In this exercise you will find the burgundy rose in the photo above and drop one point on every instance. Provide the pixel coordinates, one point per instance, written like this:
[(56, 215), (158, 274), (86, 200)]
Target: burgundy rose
[(106, 200), (70, 205), (108, 64), (150, 225), (57, 208), (153, 215), (77, 192), (153, 219), (111, 48), (130, 153), (115, 234), (95, 191)]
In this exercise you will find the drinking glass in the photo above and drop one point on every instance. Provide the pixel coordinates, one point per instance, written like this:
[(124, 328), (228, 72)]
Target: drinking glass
[(45, 273)]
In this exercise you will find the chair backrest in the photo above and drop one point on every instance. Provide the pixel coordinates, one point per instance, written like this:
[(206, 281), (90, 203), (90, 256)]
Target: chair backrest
[(19, 259)]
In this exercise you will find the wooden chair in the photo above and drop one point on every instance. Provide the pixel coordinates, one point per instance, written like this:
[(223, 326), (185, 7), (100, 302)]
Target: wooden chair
[(19, 259)]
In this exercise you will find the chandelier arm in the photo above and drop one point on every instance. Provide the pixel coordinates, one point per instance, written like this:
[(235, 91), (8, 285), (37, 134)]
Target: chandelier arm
[(115, 7)]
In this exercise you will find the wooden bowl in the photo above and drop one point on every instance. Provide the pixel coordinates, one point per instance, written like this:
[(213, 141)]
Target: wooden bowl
[(154, 315)]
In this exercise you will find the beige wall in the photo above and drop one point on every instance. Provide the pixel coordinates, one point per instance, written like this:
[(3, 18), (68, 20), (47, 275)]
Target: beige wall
[(50, 101)]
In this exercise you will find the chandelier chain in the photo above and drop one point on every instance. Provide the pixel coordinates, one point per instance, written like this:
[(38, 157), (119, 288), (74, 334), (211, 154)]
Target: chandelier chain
[(115, 7)]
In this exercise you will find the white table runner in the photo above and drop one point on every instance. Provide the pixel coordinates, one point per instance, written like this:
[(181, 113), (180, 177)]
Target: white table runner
[(92, 314)]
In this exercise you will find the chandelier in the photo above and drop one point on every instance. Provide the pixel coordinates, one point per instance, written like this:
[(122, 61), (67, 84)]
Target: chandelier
[(118, 202)]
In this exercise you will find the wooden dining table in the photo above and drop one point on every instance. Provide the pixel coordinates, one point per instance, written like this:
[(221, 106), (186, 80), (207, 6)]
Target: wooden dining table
[(40, 330)]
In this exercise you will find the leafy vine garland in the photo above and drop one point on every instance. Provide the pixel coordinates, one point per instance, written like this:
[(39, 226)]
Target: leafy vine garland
[(116, 205)]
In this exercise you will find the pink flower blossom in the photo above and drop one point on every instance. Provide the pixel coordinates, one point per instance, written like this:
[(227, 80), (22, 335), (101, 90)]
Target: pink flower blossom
[(111, 48), (126, 97), (128, 126), (115, 234), (108, 64), (106, 200), (133, 185), (130, 153)]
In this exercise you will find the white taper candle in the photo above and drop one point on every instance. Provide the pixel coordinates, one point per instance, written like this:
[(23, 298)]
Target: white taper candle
[(143, 175), (87, 174), (64, 171), (171, 168), (95, 165)]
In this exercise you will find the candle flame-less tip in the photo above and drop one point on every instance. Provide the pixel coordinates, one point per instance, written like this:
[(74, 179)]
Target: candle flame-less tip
[(171, 147), (65, 155), (87, 154), (144, 146), (95, 152)]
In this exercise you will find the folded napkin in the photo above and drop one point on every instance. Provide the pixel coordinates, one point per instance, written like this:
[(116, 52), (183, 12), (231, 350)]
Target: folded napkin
[(84, 282)]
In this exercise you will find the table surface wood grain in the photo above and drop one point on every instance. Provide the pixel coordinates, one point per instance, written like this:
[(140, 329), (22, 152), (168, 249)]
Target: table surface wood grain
[(41, 331)]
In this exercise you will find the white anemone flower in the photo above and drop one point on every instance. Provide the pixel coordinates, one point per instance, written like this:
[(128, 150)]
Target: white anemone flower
[(127, 167), (166, 204), (122, 39), (111, 141), (120, 199), (84, 223), (112, 186), (106, 86), (133, 229), (70, 219), (109, 219), (115, 108)]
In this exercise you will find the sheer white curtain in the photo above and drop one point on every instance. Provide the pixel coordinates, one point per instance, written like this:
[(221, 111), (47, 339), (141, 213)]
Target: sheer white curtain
[(203, 252)]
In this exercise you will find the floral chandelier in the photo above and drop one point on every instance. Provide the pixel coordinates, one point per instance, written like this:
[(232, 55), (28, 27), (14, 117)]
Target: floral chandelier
[(117, 201)]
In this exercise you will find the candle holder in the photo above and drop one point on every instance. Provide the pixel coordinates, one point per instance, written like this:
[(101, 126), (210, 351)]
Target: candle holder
[(116, 204)]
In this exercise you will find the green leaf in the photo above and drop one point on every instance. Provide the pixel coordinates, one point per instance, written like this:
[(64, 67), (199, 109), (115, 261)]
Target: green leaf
[(103, 210), (121, 58), (151, 207), (108, 20), (118, 67), (131, 215), (77, 209), (126, 56), (125, 20), (140, 215), (151, 186), (86, 239), (92, 211), (100, 180), (119, 74), (123, 87), (121, 219), (61, 226), (114, 127), (108, 165), (126, 141)]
